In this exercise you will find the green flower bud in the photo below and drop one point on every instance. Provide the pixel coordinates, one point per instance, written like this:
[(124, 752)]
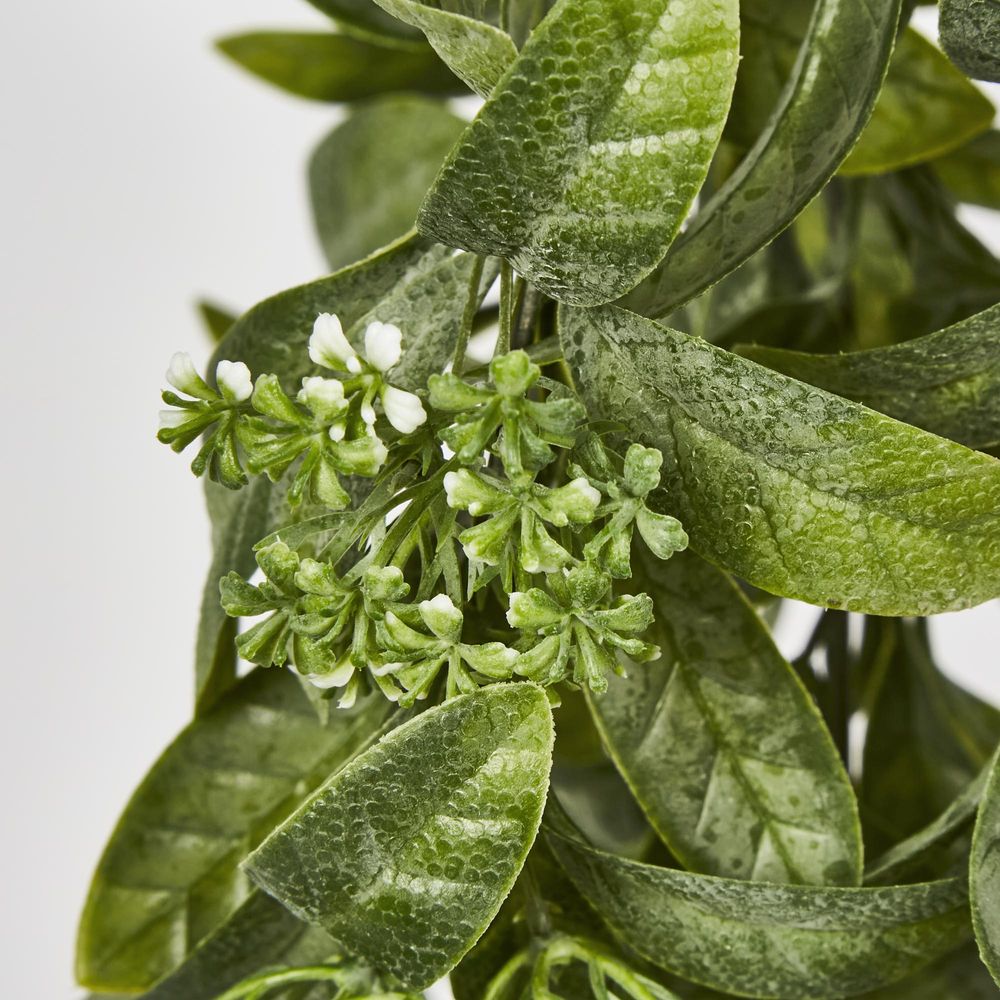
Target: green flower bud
[(384, 584), (575, 503), (453, 395), (642, 470), (491, 659), (442, 617), (587, 585), (663, 534), (266, 643), (486, 542), (538, 551), (545, 662), (514, 373), (468, 491), (270, 400), (631, 614), (279, 564), (534, 609)]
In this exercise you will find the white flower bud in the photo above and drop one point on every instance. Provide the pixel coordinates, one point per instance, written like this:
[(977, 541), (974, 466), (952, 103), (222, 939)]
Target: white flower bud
[(184, 377), (383, 345), (338, 677), (403, 409), (330, 348), (234, 380), (337, 432), (169, 419)]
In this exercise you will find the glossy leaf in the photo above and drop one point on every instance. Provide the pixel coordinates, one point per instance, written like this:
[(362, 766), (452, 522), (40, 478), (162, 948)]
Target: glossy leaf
[(169, 875), (824, 107), (402, 141), (430, 827), (984, 874), (328, 67), (970, 34), (946, 382), (797, 491), (584, 162), (723, 746), (477, 52), (757, 939), (365, 16), (972, 173)]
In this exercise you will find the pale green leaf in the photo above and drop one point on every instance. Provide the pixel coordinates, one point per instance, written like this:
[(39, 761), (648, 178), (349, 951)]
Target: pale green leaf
[(723, 746), (822, 110), (328, 67), (585, 160), (797, 491), (984, 874), (972, 173), (946, 382), (406, 855), (761, 940), (970, 34), (169, 876), (401, 142), (477, 52)]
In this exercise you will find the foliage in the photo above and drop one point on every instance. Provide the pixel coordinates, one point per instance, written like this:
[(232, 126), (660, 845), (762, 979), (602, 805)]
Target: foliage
[(516, 715)]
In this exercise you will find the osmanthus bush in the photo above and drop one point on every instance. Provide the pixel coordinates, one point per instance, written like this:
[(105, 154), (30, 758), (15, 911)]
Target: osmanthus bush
[(683, 323)]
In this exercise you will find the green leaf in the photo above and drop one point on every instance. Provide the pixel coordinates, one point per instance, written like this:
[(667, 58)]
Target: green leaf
[(401, 141), (169, 875), (327, 67), (946, 382), (365, 16), (584, 162), (958, 976), (797, 491), (477, 53), (216, 319), (723, 746), (421, 287), (430, 827), (972, 173), (926, 108), (757, 939), (984, 874), (823, 109), (970, 34)]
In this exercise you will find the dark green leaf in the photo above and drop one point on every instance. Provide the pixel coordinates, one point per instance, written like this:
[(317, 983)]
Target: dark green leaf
[(326, 67), (584, 162), (722, 745), (169, 875), (401, 141), (825, 105), (366, 16), (984, 874), (958, 976), (970, 34), (947, 382), (797, 491), (972, 173), (756, 939), (478, 53), (216, 319), (408, 853)]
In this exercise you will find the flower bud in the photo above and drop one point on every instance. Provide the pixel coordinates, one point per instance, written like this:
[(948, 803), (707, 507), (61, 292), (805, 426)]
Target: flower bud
[(184, 377), (442, 617), (513, 374), (383, 345), (234, 381), (330, 348), (642, 470), (403, 409), (663, 534)]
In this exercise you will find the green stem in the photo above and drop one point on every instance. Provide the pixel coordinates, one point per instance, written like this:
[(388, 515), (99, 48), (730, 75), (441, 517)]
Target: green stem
[(506, 309), (468, 316), (256, 986)]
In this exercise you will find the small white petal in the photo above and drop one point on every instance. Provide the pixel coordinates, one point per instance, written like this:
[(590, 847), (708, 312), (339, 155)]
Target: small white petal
[(337, 432), (170, 419), (234, 380), (386, 668), (403, 409), (368, 413), (353, 364), (440, 602), (383, 345), (380, 453), (184, 377), (450, 485), (328, 346), (349, 698), (589, 493)]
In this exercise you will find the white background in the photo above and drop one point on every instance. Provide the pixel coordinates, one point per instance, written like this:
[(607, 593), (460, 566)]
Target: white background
[(138, 171)]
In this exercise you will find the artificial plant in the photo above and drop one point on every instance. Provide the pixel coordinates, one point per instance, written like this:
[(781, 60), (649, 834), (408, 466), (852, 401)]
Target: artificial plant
[(683, 323)]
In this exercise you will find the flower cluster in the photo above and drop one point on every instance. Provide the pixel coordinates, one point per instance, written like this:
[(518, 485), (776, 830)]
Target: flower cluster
[(496, 558)]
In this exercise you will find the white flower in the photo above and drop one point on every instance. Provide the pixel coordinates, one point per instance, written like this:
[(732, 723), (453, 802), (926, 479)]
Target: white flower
[(330, 348), (452, 484), (234, 380), (337, 432), (383, 345), (324, 396), (368, 413), (338, 677), (184, 377), (169, 419), (403, 409)]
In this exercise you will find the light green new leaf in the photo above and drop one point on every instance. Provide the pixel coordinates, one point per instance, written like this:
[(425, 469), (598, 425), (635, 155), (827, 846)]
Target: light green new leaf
[(478, 53), (401, 141), (328, 67), (823, 108), (407, 854), (972, 173), (970, 34), (585, 160), (723, 746), (947, 382), (761, 940), (984, 874), (797, 491), (169, 875)]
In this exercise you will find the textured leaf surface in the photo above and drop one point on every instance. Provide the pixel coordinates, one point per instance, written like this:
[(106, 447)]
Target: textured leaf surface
[(169, 875), (825, 105), (972, 173), (402, 141), (970, 34), (958, 976), (756, 939), (478, 53), (799, 492), (984, 874), (408, 853), (326, 67), (947, 382), (722, 745), (584, 162)]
